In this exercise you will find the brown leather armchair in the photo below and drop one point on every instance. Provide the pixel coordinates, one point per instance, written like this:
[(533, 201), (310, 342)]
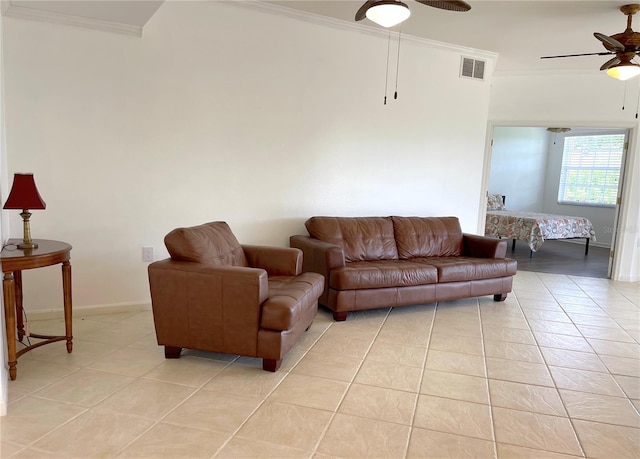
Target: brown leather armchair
[(217, 295)]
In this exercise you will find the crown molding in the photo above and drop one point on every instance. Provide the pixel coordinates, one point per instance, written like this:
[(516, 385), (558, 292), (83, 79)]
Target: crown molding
[(279, 10), (15, 11)]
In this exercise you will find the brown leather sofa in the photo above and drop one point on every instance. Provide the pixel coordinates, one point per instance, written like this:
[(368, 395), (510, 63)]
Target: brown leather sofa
[(372, 262), (216, 295)]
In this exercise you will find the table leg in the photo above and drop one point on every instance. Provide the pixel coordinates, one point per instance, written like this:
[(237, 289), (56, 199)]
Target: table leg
[(586, 247), (17, 276), (8, 286), (66, 287)]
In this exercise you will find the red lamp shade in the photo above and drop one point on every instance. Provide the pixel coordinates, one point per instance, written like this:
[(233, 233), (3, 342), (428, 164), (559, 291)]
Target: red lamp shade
[(24, 194)]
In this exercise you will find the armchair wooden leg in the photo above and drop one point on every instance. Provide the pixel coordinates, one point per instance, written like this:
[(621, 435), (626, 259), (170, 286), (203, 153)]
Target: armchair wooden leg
[(271, 364), (500, 297), (171, 352), (340, 316)]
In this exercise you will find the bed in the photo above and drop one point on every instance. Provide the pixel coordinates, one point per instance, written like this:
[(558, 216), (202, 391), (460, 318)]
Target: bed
[(534, 228)]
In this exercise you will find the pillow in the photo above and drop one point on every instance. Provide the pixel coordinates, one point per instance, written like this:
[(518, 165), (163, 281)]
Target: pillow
[(494, 202)]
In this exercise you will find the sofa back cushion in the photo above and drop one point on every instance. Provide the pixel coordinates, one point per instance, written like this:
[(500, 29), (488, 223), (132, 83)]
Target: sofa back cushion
[(212, 243), (361, 238), (428, 236)]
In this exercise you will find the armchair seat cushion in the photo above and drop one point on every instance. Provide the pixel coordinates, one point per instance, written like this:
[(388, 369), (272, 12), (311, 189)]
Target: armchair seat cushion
[(454, 269), (289, 298), (381, 274)]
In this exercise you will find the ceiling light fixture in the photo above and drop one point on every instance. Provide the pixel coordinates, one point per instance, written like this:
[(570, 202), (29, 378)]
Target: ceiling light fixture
[(388, 13), (556, 131), (624, 71)]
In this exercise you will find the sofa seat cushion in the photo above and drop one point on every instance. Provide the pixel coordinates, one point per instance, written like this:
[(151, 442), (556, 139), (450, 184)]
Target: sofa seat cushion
[(381, 274), (454, 269), (289, 297)]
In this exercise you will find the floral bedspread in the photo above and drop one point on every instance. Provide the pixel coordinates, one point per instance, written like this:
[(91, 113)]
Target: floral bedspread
[(535, 228)]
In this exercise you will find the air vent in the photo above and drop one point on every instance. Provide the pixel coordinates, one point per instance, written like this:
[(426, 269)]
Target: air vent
[(472, 68)]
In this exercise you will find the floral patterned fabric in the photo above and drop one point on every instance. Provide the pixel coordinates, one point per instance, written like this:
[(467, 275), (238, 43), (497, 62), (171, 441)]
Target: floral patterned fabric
[(535, 228), (495, 202)]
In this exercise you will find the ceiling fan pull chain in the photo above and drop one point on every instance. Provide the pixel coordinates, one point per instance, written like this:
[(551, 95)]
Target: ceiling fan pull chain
[(386, 75), (638, 104), (624, 96), (395, 94)]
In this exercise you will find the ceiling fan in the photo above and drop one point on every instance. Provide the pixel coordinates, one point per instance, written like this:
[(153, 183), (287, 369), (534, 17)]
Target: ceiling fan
[(388, 13), (625, 46)]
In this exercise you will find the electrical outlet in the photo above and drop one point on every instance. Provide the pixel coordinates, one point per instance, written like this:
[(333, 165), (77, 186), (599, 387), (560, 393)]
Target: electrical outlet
[(147, 254)]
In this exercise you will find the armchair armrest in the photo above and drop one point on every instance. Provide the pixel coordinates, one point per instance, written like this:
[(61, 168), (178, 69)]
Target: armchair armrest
[(483, 247), (199, 306), (277, 261)]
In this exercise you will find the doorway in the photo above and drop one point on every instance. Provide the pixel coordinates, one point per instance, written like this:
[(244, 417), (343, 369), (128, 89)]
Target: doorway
[(526, 166)]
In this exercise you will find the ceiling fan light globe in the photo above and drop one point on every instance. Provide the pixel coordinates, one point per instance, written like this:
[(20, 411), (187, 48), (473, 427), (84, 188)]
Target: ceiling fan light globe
[(624, 71), (388, 13)]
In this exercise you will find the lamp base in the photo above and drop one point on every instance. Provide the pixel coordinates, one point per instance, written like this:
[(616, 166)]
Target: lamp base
[(27, 246), (27, 243)]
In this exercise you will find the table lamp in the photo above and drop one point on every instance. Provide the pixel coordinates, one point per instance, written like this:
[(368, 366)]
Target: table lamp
[(24, 195)]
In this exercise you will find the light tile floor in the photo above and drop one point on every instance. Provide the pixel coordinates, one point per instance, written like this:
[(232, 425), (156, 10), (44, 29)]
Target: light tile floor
[(553, 372)]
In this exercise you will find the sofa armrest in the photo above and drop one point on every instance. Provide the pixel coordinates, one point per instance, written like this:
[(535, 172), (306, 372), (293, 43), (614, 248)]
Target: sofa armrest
[(483, 246), (277, 261), (319, 257), (206, 307)]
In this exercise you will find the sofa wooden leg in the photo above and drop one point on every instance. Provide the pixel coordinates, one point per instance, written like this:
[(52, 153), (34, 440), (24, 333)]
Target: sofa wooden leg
[(340, 316), (271, 364), (171, 352), (500, 297)]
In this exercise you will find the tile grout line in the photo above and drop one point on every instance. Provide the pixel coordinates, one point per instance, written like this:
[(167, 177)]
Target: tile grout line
[(264, 400), (350, 383), (486, 374), (424, 366), (573, 428)]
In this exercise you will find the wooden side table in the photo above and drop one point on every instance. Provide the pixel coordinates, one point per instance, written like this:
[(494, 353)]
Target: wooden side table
[(14, 261)]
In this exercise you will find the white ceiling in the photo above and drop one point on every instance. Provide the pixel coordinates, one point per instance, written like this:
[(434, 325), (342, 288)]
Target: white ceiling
[(519, 31)]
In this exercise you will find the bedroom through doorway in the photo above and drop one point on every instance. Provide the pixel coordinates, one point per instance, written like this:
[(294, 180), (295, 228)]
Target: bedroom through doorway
[(560, 172)]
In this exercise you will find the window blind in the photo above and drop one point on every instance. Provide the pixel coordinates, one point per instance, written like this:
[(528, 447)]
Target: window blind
[(591, 169)]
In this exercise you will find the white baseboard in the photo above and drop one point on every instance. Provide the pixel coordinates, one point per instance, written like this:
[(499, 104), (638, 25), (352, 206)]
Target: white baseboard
[(88, 311)]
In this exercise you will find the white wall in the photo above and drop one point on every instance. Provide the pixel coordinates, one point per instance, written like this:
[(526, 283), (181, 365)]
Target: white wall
[(4, 374), (518, 166), (223, 112), (583, 100)]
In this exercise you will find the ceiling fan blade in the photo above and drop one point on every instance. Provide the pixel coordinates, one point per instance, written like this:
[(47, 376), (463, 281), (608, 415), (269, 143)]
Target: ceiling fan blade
[(603, 53), (450, 6), (612, 42), (610, 63), (362, 12)]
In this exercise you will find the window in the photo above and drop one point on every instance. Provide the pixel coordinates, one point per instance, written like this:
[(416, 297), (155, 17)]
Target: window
[(591, 169)]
